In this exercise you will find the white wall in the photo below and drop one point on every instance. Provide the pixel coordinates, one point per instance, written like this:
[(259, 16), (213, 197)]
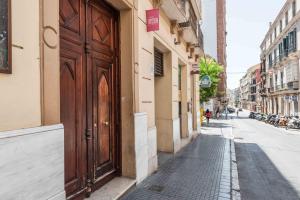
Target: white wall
[(209, 27), (32, 164)]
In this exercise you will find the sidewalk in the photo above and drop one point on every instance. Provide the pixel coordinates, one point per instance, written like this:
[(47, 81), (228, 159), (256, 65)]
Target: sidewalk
[(202, 170)]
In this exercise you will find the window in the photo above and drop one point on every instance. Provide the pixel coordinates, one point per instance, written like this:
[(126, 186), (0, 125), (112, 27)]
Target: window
[(158, 63), (271, 83), (286, 18), (281, 79), (280, 25), (286, 46), (5, 39), (270, 60), (179, 76), (294, 8), (271, 39), (293, 41), (280, 47), (275, 32), (296, 107)]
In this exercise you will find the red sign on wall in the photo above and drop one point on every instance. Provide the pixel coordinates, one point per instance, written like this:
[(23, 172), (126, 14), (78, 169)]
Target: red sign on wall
[(152, 17)]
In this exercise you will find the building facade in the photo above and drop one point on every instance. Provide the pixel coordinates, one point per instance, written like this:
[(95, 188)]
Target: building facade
[(214, 31), (90, 94), (280, 62), (233, 97), (249, 89)]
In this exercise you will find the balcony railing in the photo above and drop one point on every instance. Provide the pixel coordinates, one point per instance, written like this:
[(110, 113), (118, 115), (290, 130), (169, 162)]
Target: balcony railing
[(280, 87), (193, 20), (182, 6), (175, 10), (280, 57)]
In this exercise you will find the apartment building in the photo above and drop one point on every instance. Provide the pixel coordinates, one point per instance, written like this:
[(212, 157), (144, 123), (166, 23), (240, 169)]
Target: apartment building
[(249, 86), (244, 91), (280, 62), (94, 90), (233, 97)]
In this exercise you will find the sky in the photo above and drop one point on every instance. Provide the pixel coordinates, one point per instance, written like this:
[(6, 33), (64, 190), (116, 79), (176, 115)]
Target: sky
[(247, 25)]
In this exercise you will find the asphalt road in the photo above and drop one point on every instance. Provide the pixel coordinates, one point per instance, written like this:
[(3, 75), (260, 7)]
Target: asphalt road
[(268, 160)]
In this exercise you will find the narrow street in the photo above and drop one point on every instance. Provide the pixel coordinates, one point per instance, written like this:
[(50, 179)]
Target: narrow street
[(268, 160)]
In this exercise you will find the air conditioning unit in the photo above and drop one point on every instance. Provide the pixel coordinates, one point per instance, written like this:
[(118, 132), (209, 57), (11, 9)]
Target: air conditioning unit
[(296, 85)]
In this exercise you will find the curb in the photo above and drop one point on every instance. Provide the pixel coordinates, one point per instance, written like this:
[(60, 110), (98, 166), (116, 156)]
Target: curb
[(225, 182), (235, 186)]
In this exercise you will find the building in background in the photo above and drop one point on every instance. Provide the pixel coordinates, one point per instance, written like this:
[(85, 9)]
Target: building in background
[(94, 90), (233, 97), (280, 62), (214, 31), (249, 94)]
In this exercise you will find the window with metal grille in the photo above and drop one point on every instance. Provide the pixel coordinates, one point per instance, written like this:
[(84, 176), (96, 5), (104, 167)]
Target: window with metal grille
[(158, 63)]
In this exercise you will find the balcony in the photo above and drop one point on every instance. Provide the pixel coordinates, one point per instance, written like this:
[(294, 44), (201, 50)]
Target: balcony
[(263, 92), (176, 10), (252, 98), (271, 89), (263, 73), (190, 27), (293, 85), (199, 46)]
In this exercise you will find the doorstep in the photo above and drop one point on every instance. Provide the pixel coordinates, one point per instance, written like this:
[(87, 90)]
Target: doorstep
[(114, 189)]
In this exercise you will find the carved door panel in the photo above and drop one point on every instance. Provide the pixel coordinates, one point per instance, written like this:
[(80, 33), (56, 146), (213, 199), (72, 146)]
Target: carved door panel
[(104, 137), (101, 37), (72, 92)]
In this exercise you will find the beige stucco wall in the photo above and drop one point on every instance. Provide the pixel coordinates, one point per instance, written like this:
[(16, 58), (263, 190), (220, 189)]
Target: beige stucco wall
[(20, 91), (159, 97)]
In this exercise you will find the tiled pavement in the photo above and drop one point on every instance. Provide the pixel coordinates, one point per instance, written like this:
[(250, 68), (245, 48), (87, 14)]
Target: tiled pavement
[(202, 170)]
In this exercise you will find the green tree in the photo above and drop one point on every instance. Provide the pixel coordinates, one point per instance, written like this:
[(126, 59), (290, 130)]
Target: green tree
[(211, 68)]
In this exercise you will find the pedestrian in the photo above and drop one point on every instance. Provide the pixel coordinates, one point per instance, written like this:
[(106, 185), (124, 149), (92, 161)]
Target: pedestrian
[(237, 113), (218, 113), (207, 115)]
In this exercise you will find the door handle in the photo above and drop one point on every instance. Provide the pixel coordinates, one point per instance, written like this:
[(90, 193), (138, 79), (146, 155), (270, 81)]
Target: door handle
[(106, 123)]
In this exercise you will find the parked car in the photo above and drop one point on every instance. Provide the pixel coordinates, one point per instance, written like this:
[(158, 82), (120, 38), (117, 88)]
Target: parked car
[(231, 110), (240, 109)]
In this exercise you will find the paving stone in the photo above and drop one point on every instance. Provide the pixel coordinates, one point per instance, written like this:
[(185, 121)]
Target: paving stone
[(200, 171)]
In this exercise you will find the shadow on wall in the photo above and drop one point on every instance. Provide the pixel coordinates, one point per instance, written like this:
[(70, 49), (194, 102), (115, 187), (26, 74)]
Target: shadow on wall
[(258, 176)]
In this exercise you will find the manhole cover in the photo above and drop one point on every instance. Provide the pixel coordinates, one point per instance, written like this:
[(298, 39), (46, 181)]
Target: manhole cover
[(156, 188)]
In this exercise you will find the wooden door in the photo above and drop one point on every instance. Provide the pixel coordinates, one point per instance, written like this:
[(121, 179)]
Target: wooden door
[(89, 94), (102, 62), (72, 92)]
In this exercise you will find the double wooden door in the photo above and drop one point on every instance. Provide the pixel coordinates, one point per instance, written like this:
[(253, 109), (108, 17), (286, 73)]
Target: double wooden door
[(89, 94)]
